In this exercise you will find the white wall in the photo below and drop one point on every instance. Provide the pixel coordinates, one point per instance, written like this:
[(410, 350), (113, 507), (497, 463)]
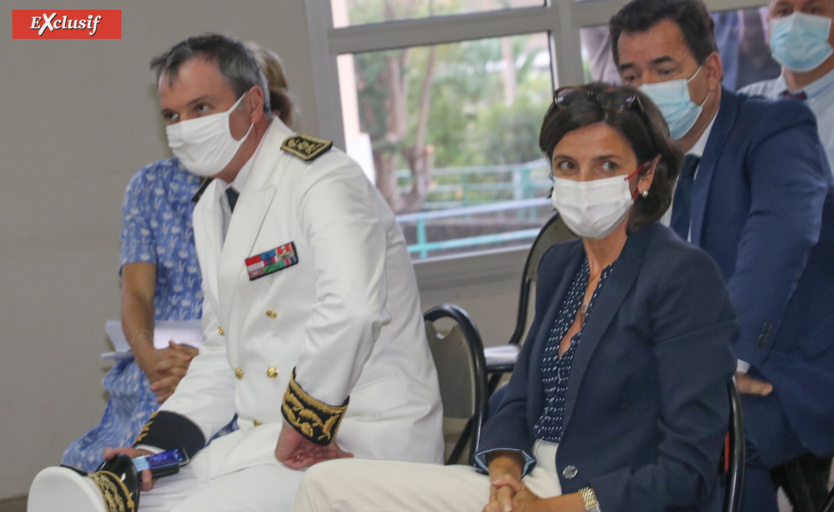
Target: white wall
[(78, 119)]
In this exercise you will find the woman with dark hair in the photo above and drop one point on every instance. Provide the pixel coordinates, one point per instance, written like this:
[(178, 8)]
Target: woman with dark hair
[(618, 401)]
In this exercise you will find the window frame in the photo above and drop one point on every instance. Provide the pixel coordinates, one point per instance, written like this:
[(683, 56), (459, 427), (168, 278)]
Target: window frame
[(562, 19)]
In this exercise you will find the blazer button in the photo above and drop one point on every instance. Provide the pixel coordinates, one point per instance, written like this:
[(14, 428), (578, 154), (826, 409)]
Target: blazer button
[(220, 331), (257, 423), (271, 314), (272, 372), (239, 373), (570, 472)]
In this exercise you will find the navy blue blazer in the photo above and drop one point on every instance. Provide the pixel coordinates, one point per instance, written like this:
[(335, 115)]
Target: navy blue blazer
[(646, 409), (757, 209)]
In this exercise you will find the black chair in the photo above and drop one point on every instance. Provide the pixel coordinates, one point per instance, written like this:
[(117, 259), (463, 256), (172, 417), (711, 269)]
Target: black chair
[(459, 356), (501, 359), (734, 452), (805, 481)]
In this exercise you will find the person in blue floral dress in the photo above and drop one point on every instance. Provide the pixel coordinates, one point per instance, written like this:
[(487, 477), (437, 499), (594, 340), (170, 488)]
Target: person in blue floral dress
[(160, 281)]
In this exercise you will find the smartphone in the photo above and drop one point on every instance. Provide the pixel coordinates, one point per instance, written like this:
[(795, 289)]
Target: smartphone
[(163, 463)]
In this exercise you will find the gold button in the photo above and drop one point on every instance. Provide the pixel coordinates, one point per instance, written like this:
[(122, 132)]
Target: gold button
[(257, 423), (239, 373), (271, 314), (272, 372), (220, 331)]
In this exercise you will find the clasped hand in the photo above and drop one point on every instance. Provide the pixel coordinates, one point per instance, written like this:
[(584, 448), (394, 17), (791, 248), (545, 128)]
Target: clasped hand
[(509, 494), (167, 367)]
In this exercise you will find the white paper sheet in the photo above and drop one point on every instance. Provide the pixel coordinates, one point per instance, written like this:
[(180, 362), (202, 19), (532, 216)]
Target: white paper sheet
[(185, 332)]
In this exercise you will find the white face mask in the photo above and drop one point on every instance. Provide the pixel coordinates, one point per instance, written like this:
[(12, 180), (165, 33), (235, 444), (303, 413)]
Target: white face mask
[(592, 209), (675, 103), (205, 145)]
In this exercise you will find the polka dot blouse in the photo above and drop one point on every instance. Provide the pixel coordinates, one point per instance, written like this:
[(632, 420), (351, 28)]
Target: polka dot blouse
[(555, 369)]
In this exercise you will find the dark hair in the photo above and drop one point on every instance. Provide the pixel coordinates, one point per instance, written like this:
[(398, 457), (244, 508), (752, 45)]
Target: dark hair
[(642, 125), (236, 64), (690, 15)]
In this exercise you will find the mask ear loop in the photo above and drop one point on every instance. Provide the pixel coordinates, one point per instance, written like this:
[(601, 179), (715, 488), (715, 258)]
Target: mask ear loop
[(634, 195)]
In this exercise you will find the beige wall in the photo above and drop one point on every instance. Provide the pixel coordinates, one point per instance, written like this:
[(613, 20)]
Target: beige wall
[(78, 119)]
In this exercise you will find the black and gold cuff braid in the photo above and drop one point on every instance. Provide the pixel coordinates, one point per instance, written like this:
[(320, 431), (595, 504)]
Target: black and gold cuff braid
[(313, 419), (167, 430)]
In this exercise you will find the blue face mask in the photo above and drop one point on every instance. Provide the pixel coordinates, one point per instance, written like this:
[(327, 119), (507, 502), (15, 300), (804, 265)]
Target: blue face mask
[(674, 102), (800, 41)]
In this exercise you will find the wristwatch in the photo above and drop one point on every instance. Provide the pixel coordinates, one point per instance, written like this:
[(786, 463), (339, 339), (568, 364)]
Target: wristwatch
[(590, 499)]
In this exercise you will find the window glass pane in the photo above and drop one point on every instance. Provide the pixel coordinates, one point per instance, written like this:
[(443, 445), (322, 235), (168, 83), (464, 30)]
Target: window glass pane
[(449, 134), (361, 12), (740, 35)]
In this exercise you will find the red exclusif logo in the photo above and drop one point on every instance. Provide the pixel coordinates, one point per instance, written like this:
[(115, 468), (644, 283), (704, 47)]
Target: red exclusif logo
[(66, 24)]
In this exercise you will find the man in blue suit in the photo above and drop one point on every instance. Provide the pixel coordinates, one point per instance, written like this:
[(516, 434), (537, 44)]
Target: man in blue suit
[(751, 193)]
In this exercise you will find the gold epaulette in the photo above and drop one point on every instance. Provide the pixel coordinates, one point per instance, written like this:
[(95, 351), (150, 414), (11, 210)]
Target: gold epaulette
[(313, 419), (306, 147)]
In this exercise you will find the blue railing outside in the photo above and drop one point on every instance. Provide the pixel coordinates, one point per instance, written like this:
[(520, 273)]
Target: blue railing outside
[(478, 190), (482, 185), (423, 246)]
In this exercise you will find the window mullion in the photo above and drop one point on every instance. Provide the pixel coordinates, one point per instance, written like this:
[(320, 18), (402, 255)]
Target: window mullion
[(568, 50), (325, 73)]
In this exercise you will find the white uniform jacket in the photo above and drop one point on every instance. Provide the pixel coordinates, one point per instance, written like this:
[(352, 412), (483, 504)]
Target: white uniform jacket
[(346, 316)]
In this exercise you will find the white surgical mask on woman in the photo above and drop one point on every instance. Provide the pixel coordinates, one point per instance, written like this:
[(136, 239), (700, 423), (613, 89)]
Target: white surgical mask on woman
[(593, 209), (205, 145), (800, 41), (675, 103)]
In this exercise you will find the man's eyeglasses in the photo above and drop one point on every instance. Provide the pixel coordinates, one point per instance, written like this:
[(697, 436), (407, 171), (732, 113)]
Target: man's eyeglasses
[(613, 99)]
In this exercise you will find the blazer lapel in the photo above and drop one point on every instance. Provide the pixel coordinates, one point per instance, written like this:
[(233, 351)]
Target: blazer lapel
[(209, 239), (608, 304), (250, 212), (724, 121)]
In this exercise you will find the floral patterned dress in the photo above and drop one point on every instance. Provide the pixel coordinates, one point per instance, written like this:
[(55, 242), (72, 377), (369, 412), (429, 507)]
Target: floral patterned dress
[(156, 228)]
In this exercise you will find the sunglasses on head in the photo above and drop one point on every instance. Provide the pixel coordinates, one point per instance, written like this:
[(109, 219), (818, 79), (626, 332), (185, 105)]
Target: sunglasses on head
[(613, 99)]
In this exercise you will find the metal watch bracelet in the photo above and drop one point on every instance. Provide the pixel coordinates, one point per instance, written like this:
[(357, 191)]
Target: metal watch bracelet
[(590, 499)]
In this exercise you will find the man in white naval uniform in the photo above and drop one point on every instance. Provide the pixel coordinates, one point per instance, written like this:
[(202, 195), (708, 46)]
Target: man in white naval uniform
[(313, 331)]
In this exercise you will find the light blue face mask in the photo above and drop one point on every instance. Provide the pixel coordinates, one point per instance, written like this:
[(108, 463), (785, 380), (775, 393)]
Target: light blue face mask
[(674, 102), (800, 41)]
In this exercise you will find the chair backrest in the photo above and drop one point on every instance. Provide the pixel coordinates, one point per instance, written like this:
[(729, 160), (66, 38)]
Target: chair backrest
[(459, 356), (553, 231), (734, 452)]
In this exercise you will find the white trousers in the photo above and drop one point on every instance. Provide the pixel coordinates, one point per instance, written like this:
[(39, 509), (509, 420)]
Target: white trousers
[(353, 485), (262, 488)]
